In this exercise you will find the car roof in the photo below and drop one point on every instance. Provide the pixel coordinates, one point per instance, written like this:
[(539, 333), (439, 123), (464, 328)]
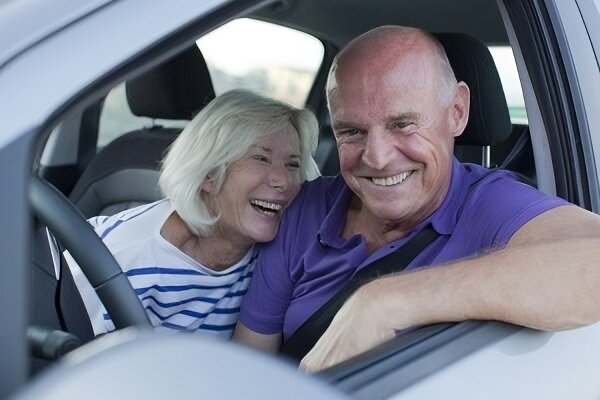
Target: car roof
[(341, 20), (22, 24)]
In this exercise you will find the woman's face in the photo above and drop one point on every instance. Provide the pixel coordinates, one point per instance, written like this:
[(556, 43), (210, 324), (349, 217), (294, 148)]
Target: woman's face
[(257, 189)]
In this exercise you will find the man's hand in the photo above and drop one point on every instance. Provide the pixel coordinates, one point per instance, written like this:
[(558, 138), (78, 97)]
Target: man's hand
[(356, 328)]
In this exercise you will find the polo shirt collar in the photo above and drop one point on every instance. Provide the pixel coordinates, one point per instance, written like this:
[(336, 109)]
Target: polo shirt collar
[(443, 219), (330, 231)]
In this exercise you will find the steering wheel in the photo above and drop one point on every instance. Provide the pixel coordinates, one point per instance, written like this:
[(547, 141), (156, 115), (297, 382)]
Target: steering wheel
[(103, 272)]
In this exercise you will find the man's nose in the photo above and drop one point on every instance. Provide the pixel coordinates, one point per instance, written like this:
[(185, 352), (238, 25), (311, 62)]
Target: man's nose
[(378, 149)]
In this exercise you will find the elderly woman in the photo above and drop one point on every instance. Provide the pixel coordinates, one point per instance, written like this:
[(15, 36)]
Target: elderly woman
[(227, 179)]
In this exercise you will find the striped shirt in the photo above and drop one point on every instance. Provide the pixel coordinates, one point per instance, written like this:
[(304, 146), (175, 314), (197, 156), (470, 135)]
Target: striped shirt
[(177, 292)]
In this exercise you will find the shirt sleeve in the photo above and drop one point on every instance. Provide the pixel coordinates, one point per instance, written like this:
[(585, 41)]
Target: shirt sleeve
[(501, 207), (264, 307)]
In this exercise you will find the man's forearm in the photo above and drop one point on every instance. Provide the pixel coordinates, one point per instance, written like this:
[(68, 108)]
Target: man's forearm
[(547, 277), (549, 286)]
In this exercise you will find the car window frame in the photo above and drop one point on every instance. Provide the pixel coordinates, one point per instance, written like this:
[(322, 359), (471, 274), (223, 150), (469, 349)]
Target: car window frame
[(396, 365)]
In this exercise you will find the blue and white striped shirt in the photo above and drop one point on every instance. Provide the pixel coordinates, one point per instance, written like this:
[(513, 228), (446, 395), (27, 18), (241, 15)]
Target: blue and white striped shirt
[(177, 292)]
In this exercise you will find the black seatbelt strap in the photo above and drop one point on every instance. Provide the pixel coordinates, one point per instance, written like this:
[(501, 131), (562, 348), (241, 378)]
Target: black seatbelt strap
[(307, 335)]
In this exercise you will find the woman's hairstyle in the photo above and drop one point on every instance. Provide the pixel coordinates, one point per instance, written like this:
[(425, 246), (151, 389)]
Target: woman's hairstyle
[(221, 134)]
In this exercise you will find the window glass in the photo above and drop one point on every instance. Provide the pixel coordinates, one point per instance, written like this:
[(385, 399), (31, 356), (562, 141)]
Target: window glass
[(270, 59), (507, 68), (267, 58)]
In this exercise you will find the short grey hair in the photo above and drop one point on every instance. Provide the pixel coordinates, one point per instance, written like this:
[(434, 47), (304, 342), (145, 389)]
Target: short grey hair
[(221, 134)]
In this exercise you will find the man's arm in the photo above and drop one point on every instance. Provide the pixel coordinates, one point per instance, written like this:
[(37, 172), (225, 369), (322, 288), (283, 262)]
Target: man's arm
[(546, 278), (243, 334)]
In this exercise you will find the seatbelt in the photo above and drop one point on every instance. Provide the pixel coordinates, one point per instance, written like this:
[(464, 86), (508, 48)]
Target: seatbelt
[(307, 335)]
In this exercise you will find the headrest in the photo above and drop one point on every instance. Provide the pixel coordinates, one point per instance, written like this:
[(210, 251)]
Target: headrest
[(489, 120), (176, 89)]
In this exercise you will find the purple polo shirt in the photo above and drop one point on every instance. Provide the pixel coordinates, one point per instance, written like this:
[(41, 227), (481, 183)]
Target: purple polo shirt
[(309, 261)]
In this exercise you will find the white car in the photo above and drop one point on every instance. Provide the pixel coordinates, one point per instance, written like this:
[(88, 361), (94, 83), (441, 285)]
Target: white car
[(77, 78)]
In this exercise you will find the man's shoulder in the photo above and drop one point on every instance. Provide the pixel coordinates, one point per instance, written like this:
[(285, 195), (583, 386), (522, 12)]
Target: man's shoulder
[(492, 180), (314, 201), (326, 185), (321, 188), (318, 195), (499, 202)]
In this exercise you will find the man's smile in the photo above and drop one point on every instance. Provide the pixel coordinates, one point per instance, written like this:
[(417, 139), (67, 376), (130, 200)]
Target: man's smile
[(392, 180)]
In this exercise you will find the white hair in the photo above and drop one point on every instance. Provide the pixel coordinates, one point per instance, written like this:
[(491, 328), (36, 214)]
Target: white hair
[(221, 134)]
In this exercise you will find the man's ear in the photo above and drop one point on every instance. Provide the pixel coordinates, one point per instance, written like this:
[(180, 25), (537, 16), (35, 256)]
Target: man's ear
[(460, 108)]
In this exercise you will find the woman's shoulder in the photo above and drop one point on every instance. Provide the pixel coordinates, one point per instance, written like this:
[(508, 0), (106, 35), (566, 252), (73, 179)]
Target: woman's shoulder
[(141, 218)]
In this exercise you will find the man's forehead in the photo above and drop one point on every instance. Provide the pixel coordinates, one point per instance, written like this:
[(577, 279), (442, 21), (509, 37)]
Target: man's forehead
[(373, 77), (379, 87)]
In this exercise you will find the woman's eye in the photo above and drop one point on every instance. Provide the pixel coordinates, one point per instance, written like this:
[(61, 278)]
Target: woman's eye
[(294, 165), (261, 158)]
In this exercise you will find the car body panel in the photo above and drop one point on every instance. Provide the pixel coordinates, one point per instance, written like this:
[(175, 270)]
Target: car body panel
[(181, 372), (529, 364), (22, 28), (52, 54), (71, 64)]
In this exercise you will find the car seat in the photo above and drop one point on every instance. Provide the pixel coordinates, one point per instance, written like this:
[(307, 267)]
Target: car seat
[(125, 173)]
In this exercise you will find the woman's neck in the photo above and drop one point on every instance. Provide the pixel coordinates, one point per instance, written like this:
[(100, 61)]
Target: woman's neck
[(214, 252)]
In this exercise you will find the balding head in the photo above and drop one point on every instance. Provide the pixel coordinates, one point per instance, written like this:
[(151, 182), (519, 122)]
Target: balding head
[(392, 47)]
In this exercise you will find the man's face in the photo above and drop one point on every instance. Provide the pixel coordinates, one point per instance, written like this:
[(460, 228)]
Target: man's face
[(395, 137)]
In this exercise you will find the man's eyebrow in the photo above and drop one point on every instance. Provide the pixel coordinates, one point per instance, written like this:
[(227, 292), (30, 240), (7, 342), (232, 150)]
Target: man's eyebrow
[(403, 117), (337, 124), (340, 124)]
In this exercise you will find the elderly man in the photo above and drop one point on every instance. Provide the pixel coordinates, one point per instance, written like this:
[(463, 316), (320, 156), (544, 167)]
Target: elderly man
[(510, 253)]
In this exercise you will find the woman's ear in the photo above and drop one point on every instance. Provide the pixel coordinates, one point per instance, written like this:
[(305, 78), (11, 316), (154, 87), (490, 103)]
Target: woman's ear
[(460, 108), (208, 184)]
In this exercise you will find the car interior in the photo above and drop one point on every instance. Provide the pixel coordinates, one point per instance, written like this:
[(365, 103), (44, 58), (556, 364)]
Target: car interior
[(104, 179)]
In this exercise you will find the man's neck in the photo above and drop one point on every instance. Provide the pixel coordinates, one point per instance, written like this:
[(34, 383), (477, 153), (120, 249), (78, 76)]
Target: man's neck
[(377, 232)]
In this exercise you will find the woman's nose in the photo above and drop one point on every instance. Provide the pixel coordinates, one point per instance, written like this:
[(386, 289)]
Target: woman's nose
[(278, 176)]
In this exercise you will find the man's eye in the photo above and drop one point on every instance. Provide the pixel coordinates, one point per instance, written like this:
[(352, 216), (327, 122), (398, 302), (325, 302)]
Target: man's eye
[(406, 126), (347, 133), (294, 165)]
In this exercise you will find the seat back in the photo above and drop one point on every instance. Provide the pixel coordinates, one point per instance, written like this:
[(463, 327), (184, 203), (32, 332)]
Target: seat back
[(125, 173), (489, 120)]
